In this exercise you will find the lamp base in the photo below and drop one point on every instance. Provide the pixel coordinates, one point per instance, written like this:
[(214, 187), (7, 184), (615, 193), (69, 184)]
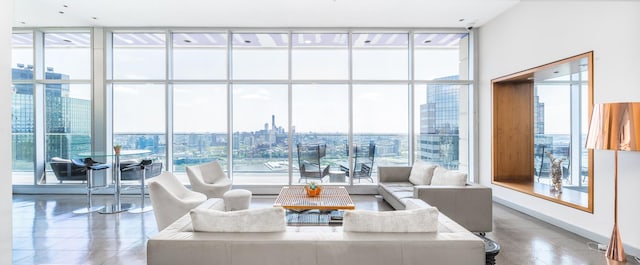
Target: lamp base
[(615, 251)]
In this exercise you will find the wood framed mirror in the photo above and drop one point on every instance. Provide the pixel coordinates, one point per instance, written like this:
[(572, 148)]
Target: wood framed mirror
[(542, 114)]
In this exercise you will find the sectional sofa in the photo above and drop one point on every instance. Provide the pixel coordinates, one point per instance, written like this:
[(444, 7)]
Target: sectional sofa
[(469, 204), (449, 243)]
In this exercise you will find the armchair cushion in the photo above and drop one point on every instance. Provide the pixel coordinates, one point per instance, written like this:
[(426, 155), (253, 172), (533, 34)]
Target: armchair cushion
[(270, 219), (445, 177), (422, 219), (421, 173)]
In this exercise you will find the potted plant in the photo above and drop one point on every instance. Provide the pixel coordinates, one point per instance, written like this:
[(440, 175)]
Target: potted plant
[(313, 189)]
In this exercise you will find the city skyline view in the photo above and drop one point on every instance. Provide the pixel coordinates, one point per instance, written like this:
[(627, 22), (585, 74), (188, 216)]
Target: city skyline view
[(263, 103)]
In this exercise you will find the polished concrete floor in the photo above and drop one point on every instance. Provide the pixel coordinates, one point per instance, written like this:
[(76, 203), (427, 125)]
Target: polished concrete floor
[(45, 231)]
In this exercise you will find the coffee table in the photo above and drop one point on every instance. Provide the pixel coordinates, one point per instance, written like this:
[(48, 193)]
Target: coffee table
[(331, 198)]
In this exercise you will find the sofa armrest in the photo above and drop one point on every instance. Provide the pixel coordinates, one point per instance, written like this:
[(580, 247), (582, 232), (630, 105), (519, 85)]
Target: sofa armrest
[(394, 173), (471, 206)]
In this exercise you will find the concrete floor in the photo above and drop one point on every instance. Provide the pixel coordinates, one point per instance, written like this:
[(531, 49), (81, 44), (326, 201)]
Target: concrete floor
[(45, 231)]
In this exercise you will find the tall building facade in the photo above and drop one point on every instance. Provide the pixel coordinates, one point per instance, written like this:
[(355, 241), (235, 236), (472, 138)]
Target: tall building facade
[(439, 124), (67, 119)]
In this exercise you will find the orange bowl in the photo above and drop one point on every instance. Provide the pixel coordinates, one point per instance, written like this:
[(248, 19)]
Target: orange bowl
[(313, 193)]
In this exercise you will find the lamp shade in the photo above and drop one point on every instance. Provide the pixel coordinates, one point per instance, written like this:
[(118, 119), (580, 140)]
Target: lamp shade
[(615, 126)]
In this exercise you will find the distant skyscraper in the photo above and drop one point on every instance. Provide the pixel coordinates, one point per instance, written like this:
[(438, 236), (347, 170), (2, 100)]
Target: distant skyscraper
[(273, 122), (439, 124), (67, 120)]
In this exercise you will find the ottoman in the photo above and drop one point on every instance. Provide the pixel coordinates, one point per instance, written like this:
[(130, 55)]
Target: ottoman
[(235, 200)]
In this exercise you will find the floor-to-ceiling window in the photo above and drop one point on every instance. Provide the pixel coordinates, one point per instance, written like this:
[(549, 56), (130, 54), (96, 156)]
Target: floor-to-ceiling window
[(22, 108), (52, 95), (139, 92), (442, 99), (199, 89), (247, 98)]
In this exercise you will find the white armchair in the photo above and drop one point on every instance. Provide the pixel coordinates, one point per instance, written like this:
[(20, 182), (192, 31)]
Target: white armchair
[(209, 179), (170, 199)]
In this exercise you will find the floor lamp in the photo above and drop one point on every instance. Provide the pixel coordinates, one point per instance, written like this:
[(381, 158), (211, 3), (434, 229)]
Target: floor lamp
[(615, 126)]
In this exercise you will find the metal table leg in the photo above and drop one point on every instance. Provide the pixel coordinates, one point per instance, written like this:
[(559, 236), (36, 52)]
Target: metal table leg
[(117, 207)]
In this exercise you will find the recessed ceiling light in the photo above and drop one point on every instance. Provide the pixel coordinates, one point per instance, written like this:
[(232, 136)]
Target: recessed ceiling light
[(367, 41), (462, 19), (307, 41), (427, 41), (65, 5), (187, 41), (247, 41), (61, 12)]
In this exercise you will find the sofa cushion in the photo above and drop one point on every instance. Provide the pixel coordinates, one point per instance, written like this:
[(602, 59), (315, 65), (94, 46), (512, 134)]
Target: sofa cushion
[(417, 220), (411, 204), (397, 186), (445, 177), (421, 173), (270, 219)]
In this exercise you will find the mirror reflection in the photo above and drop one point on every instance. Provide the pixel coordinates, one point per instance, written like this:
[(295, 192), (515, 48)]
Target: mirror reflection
[(540, 121), (560, 114)]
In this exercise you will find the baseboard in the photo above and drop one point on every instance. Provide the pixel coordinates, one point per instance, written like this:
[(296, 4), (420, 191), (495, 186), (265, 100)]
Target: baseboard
[(564, 225)]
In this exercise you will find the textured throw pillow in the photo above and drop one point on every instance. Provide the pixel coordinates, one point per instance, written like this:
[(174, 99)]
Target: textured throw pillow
[(421, 173), (252, 220), (445, 177), (417, 220)]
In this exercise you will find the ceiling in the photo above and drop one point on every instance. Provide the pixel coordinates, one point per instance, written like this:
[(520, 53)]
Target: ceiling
[(258, 13)]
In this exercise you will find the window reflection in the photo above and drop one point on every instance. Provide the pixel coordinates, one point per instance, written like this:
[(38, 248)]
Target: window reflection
[(560, 94)]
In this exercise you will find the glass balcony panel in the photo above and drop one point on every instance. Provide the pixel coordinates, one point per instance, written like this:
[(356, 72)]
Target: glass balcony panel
[(381, 119), (321, 116), (139, 122), (260, 137), (67, 125), (22, 137), (441, 125)]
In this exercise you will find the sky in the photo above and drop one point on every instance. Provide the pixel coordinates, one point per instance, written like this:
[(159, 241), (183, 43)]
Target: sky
[(202, 108)]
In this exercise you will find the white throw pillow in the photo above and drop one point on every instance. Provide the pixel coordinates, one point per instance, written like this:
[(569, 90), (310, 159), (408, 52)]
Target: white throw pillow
[(421, 173), (417, 220), (252, 220), (445, 177)]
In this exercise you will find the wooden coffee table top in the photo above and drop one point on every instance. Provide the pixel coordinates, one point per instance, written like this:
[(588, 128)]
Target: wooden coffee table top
[(330, 198)]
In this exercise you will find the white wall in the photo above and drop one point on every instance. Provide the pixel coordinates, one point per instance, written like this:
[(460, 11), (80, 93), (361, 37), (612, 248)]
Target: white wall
[(6, 21), (538, 32)]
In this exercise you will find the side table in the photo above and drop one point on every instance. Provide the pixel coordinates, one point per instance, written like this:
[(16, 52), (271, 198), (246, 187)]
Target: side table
[(491, 249)]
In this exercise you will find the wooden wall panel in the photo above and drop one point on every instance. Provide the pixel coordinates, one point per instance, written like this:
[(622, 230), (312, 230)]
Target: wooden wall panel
[(513, 131)]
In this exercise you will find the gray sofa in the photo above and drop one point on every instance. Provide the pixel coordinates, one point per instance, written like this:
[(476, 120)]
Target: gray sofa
[(314, 245), (470, 205)]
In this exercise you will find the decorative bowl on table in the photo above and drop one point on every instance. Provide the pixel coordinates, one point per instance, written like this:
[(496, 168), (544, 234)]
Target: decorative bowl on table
[(312, 189)]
